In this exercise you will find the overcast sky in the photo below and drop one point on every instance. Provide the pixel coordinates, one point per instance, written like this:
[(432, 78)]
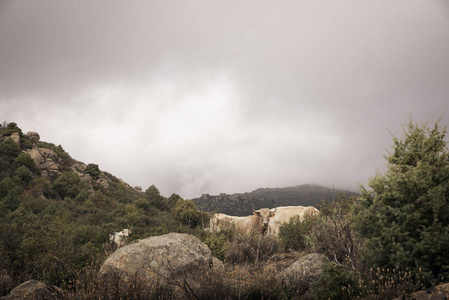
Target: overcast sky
[(205, 96)]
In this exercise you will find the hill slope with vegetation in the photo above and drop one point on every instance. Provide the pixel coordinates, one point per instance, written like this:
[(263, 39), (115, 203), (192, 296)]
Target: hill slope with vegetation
[(241, 204), (56, 213)]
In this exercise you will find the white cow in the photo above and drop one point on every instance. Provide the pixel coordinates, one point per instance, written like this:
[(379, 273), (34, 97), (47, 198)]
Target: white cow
[(219, 221), (284, 213), (258, 222), (120, 237)]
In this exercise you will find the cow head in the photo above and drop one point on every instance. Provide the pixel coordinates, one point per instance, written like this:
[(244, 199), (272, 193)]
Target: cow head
[(264, 214)]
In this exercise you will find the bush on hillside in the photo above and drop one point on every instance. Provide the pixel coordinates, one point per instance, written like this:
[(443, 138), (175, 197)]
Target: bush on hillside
[(25, 159), (185, 212), (294, 235), (155, 198), (333, 235), (9, 149), (68, 184), (93, 171), (404, 219)]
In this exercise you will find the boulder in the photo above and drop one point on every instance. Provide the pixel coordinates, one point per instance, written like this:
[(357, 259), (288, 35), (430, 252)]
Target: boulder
[(439, 292), (45, 160), (33, 136), (15, 136), (218, 264), (34, 289), (169, 258), (306, 270), (78, 168)]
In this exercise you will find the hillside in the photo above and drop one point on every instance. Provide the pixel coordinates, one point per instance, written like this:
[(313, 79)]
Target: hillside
[(54, 208), (241, 204)]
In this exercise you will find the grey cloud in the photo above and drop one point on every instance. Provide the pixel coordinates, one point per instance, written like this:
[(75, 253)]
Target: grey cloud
[(199, 96)]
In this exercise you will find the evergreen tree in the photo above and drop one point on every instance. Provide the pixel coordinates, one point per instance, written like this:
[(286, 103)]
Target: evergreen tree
[(155, 198), (93, 171), (405, 217), (68, 184)]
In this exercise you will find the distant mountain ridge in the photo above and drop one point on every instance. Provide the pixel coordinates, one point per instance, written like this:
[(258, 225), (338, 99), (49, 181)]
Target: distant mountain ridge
[(241, 204)]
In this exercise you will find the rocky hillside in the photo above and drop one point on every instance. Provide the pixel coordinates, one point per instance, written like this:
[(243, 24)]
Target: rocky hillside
[(51, 161), (57, 213), (241, 204)]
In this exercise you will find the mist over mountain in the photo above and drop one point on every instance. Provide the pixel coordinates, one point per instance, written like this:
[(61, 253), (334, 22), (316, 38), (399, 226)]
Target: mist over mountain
[(241, 204)]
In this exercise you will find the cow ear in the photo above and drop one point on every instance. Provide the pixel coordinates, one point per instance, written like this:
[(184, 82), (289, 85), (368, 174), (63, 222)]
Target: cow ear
[(257, 213), (272, 214)]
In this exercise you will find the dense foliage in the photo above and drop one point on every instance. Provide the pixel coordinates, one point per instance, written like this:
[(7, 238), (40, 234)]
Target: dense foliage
[(404, 219)]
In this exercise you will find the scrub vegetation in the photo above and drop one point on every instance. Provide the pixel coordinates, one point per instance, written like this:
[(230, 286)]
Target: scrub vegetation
[(390, 240)]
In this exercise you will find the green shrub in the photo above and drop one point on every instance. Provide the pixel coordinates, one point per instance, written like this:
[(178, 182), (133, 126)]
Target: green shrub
[(336, 282), (41, 186), (23, 175), (25, 159), (404, 219), (93, 171), (142, 203), (217, 243), (10, 129), (9, 149), (172, 200), (294, 235), (155, 198), (6, 186), (185, 212), (68, 184)]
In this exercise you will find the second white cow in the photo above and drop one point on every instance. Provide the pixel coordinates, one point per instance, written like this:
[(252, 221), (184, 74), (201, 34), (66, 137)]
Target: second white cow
[(283, 215)]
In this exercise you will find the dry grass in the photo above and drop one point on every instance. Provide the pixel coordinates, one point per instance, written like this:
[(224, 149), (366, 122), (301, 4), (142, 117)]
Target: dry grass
[(6, 283)]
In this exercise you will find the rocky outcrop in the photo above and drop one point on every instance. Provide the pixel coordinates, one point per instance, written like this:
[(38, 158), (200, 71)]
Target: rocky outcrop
[(34, 289), (15, 136), (78, 168), (173, 257), (305, 271), (33, 137), (45, 160)]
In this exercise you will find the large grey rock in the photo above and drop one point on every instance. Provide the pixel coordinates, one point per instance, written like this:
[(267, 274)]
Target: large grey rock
[(306, 270), (33, 136), (34, 289), (166, 258)]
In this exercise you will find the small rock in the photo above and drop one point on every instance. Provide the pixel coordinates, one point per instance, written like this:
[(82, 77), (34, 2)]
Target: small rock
[(34, 289)]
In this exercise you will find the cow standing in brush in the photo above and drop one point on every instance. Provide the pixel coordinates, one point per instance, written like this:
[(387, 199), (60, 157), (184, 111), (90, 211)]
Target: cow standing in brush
[(285, 213), (256, 223)]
